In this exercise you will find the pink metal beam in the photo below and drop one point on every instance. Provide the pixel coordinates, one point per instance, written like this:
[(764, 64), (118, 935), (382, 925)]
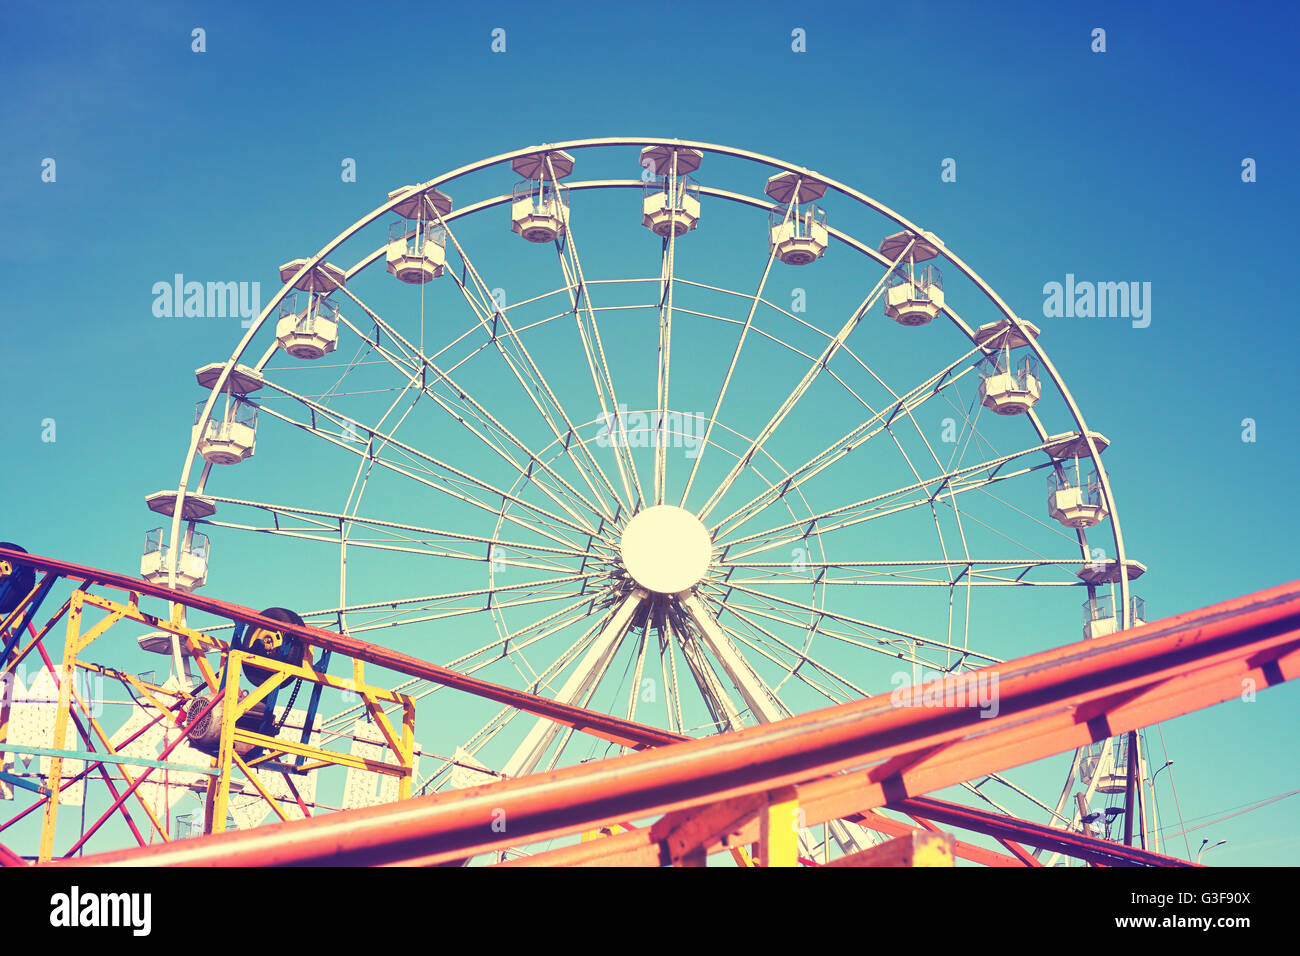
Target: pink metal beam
[(1048, 702), (626, 733), (1076, 845)]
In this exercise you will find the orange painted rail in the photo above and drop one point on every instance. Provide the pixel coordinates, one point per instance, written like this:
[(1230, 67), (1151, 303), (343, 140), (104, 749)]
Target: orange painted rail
[(839, 761)]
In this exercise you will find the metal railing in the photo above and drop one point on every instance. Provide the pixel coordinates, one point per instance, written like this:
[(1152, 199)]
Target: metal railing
[(686, 186), (804, 222), (542, 194), (1000, 363), (417, 235), (239, 413), (922, 280), (1091, 488), (196, 546)]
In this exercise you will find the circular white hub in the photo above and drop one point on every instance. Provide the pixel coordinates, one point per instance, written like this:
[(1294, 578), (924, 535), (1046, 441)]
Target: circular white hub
[(666, 549)]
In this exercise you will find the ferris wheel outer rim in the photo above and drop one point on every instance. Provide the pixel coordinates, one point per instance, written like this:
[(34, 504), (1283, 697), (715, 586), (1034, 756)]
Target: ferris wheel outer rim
[(400, 195)]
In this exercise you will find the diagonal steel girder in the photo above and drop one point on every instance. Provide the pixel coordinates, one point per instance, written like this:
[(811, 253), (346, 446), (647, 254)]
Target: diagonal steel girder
[(841, 760), (1078, 845), (585, 676), (762, 701), (625, 733)]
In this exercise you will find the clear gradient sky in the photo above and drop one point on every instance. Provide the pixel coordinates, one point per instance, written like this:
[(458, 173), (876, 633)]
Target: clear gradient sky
[(1117, 166)]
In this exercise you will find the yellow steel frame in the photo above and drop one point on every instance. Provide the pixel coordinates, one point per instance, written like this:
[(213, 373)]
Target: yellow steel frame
[(233, 707), (75, 642), (77, 639)]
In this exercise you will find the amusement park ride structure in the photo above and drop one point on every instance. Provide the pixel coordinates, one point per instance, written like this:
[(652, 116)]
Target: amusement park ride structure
[(736, 792), (636, 565)]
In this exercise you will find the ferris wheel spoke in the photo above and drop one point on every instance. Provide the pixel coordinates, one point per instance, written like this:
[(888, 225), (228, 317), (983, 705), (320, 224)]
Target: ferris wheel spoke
[(756, 645), (895, 649), (859, 622), (510, 649), (853, 439), (487, 317), (417, 365), (598, 365), (414, 617), (731, 368), (667, 269), (476, 660), (541, 629), (445, 473), (450, 596), (801, 389), (589, 469), (983, 572), (391, 547), (739, 612), (945, 485), (330, 520)]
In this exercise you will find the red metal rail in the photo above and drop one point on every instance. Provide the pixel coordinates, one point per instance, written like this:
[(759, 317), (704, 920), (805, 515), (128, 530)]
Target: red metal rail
[(623, 732), (837, 761), (1077, 845)]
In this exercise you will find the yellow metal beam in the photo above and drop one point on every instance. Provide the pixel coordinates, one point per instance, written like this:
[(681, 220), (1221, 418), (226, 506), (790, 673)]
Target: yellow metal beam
[(779, 820), (257, 785), (71, 643)]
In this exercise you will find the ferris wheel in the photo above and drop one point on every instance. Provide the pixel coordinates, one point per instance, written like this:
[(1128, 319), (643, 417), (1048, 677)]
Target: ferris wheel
[(702, 440)]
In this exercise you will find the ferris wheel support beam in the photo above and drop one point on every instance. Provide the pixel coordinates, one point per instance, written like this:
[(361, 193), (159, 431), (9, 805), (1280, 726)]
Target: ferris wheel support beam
[(738, 612), (715, 695), (755, 644), (635, 691), (583, 679), (501, 719), (760, 699)]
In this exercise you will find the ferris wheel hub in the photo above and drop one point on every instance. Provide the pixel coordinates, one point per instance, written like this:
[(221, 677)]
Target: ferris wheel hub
[(666, 549)]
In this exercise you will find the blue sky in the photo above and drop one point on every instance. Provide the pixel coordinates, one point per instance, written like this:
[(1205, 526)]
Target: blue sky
[(1115, 166)]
